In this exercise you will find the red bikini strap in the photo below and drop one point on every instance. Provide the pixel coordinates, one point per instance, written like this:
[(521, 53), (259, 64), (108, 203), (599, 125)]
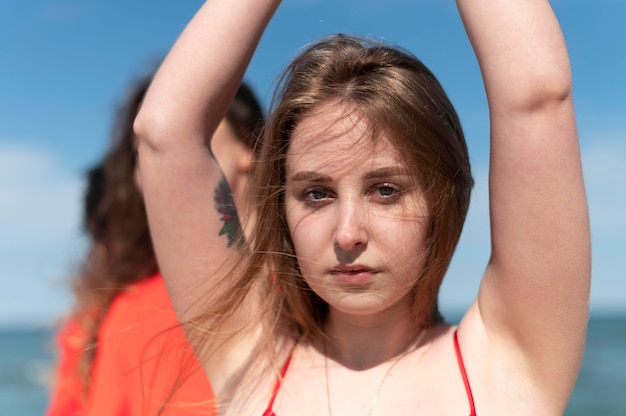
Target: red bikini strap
[(468, 388), (459, 357), (268, 411)]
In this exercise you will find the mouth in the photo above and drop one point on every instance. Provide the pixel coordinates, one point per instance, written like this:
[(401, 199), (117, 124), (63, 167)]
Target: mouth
[(353, 274)]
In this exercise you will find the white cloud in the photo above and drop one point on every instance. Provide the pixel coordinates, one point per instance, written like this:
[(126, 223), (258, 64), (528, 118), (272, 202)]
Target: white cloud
[(39, 231), (39, 198)]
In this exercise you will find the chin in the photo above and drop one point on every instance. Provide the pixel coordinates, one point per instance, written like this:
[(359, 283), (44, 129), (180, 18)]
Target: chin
[(361, 304)]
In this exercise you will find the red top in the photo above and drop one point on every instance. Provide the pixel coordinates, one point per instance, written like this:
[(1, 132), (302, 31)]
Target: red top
[(143, 358), (66, 399)]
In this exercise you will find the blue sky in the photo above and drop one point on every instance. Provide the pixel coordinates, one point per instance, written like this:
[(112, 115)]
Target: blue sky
[(65, 66)]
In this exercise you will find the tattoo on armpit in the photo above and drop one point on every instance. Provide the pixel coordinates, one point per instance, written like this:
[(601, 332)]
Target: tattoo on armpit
[(225, 205)]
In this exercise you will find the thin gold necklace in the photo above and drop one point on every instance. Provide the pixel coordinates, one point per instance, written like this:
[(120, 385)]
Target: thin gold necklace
[(382, 382)]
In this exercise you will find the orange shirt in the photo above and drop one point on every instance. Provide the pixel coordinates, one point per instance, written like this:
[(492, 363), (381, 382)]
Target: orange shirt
[(143, 359), (66, 399)]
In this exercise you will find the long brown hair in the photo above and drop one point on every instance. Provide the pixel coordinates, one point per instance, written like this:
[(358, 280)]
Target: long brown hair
[(393, 91), (121, 251)]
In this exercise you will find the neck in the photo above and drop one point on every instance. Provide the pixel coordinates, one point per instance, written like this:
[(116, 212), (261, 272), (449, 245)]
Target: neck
[(365, 341)]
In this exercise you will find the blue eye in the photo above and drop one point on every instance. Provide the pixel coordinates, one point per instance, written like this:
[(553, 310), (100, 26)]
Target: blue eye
[(387, 189), (385, 192), (317, 197), (315, 194)]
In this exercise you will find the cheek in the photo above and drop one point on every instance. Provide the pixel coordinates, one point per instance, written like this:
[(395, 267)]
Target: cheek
[(297, 228), (292, 220), (403, 241), (308, 234)]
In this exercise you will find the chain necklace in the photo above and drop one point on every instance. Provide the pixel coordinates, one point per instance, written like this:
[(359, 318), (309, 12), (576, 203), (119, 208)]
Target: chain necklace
[(382, 382)]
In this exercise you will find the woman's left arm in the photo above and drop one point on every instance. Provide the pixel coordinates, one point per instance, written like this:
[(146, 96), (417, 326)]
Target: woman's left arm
[(534, 297)]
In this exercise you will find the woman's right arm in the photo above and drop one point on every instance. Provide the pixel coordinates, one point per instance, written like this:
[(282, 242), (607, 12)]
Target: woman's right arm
[(181, 111)]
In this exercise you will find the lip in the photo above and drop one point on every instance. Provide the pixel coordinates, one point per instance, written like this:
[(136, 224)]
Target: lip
[(353, 274)]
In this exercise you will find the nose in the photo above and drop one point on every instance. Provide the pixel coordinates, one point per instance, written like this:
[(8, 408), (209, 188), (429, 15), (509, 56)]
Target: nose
[(351, 228)]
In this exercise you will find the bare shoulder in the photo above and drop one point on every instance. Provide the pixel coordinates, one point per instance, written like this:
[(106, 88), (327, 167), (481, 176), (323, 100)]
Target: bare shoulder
[(499, 373)]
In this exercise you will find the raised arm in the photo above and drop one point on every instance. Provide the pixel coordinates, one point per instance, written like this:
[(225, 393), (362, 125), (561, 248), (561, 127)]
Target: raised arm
[(182, 109), (533, 300)]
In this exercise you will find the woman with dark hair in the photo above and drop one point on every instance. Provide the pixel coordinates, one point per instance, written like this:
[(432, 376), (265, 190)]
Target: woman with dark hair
[(122, 351)]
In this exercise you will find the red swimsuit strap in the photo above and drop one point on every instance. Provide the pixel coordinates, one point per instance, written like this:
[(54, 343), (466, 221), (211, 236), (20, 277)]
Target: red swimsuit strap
[(269, 411), (468, 388), (459, 357)]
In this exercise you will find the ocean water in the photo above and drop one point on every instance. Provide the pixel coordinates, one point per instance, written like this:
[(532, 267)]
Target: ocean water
[(601, 386), (26, 359)]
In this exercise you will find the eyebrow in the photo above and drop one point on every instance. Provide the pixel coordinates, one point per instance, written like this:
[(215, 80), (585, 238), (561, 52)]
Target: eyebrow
[(315, 177), (386, 172), (309, 176)]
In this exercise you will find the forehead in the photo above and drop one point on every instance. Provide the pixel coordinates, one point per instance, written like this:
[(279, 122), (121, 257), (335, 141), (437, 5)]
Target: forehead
[(334, 136)]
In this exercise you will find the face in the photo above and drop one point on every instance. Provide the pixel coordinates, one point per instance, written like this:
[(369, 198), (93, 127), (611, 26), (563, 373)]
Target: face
[(356, 216)]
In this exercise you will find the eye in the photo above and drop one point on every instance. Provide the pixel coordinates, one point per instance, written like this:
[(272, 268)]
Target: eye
[(317, 196), (385, 192)]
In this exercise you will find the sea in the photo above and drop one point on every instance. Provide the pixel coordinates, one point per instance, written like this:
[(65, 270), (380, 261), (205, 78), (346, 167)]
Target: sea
[(27, 359)]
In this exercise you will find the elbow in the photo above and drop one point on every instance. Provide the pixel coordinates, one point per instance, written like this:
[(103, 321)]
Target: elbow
[(171, 128), (553, 92), (147, 127), (546, 91)]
